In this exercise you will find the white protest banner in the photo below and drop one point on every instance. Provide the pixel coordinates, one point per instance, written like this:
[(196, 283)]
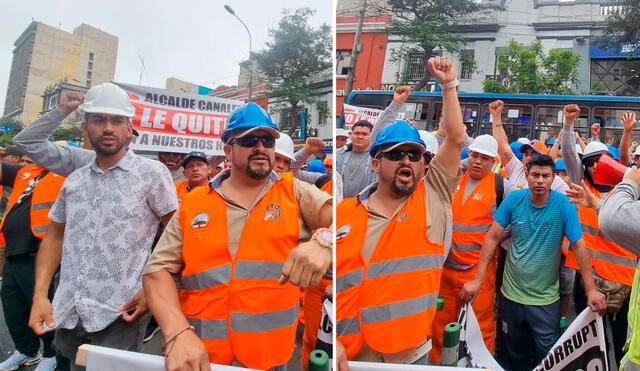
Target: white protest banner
[(371, 366), (324, 339), (174, 121), (353, 114), (581, 346)]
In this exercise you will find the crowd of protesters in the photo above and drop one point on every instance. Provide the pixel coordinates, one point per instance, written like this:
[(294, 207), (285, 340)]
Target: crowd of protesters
[(223, 254), (503, 225)]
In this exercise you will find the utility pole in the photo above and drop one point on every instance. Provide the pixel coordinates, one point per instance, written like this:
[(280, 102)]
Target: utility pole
[(351, 74)]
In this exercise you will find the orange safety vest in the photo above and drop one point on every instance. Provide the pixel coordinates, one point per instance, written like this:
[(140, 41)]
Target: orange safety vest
[(328, 187), (236, 304), (609, 260), (389, 302), (42, 198), (471, 220)]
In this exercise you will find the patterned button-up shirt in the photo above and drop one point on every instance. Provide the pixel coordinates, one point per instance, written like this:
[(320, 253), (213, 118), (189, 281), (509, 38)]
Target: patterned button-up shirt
[(111, 219)]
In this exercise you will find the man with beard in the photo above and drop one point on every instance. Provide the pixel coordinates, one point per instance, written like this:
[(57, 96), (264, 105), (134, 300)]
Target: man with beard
[(530, 304), (196, 169), (102, 228), (612, 264), (391, 240), (243, 245), (173, 161), (480, 192)]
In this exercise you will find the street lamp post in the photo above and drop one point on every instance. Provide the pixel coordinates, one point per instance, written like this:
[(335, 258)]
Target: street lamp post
[(228, 9)]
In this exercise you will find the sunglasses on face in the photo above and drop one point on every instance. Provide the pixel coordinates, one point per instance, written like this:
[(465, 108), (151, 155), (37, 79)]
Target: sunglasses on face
[(590, 162), (252, 141), (397, 155)]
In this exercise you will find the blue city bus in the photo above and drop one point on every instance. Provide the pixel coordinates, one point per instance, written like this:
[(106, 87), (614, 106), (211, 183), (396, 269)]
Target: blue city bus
[(525, 115)]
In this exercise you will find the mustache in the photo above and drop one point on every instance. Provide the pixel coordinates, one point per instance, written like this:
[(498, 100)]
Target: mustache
[(259, 154)]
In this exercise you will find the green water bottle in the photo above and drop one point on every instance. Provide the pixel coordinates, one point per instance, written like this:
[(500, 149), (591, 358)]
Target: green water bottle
[(318, 361), (563, 324), (440, 303), (450, 344)]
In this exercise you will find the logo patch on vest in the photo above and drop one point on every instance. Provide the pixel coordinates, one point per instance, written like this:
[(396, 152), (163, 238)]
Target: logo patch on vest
[(402, 215), (272, 212), (343, 232), (25, 175), (200, 221), (478, 196)]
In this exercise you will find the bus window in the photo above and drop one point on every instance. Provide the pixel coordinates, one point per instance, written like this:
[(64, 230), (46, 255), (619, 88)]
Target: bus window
[(418, 113), (611, 125), (469, 116), (516, 120), (549, 120)]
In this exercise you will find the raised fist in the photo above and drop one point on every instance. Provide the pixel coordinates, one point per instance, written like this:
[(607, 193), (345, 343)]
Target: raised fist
[(442, 69), (571, 111), (401, 94), (70, 102), (313, 145), (495, 108), (628, 120), (595, 130)]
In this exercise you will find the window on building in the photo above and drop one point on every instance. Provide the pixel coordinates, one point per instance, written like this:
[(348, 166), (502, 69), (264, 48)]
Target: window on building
[(343, 59), (618, 75), (90, 65), (88, 75), (288, 120), (323, 112), (90, 56), (88, 83), (415, 67), (466, 70)]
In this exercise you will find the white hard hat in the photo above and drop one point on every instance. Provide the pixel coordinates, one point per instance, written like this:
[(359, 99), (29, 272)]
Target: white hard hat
[(430, 141), (284, 146), (637, 151), (485, 144), (594, 149), (523, 140), (108, 98), (340, 132)]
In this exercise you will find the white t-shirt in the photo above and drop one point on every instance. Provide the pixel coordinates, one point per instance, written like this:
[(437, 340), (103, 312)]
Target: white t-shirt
[(515, 169)]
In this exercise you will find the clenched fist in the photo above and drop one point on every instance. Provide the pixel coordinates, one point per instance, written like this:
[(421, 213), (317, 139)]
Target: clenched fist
[(313, 145), (442, 69), (495, 108), (70, 102), (401, 94), (571, 111)]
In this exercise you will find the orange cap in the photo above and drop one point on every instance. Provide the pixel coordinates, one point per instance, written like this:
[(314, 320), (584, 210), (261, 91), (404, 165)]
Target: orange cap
[(537, 146), (328, 161)]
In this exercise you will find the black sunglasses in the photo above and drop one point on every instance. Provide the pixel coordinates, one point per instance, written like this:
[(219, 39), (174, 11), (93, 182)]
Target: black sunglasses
[(397, 155), (252, 141), (589, 162)]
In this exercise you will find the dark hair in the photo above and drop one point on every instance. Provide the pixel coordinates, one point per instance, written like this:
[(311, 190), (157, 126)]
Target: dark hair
[(363, 123), (541, 160)]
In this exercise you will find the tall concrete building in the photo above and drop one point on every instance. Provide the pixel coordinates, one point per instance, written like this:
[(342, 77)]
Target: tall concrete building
[(44, 55)]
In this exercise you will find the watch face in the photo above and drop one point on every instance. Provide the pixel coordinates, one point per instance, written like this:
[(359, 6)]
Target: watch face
[(327, 235)]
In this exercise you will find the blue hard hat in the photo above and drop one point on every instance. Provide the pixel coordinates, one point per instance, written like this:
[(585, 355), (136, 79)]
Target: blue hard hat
[(249, 116), (560, 165), (464, 154), (316, 166), (515, 148), (615, 152), (398, 132), (551, 141)]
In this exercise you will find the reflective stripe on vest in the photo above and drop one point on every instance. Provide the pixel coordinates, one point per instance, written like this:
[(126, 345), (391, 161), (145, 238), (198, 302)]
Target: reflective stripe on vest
[(609, 260), (472, 218), (42, 199), (404, 264), (235, 302)]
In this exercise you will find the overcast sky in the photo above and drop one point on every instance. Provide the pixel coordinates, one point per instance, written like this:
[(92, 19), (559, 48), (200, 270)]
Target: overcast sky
[(193, 40)]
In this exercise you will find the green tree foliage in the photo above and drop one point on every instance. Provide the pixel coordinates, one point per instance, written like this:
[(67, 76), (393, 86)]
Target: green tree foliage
[(623, 28), (73, 134), (6, 138), (531, 70), (295, 54), (428, 25)]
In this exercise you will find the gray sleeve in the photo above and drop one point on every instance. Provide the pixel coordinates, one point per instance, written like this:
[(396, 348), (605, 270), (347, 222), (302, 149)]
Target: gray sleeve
[(34, 141), (308, 176), (299, 159), (570, 155), (618, 216), (441, 139), (387, 117)]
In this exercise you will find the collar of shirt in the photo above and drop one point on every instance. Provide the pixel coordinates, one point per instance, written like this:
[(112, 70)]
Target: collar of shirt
[(125, 163)]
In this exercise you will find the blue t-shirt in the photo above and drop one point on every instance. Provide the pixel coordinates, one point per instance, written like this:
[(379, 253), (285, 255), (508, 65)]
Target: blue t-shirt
[(533, 260)]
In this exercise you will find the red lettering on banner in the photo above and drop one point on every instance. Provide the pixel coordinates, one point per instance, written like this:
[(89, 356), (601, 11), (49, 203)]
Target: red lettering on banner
[(168, 121)]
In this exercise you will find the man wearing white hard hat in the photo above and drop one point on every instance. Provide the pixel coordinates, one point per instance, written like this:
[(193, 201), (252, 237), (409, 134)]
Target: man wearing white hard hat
[(480, 192), (431, 147), (341, 138), (287, 160), (103, 226)]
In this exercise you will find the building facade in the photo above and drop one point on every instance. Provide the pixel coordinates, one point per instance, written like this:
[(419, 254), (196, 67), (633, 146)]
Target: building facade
[(173, 83), (44, 55)]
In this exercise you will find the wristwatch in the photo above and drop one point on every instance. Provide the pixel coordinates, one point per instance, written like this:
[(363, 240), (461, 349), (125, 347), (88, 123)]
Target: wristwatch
[(324, 236)]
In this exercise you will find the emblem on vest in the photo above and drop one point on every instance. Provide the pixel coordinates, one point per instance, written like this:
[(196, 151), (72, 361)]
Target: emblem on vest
[(200, 221), (402, 215), (25, 175), (478, 196), (343, 232), (272, 212)]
